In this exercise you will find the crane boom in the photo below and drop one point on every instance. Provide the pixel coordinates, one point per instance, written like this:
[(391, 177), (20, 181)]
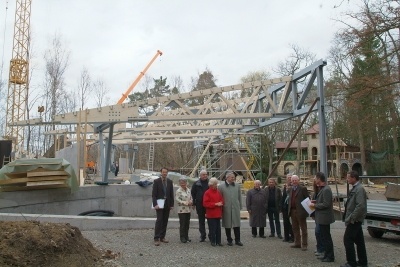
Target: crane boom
[(136, 81)]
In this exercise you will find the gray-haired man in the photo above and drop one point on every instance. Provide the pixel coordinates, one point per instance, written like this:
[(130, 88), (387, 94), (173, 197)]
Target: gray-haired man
[(198, 190)]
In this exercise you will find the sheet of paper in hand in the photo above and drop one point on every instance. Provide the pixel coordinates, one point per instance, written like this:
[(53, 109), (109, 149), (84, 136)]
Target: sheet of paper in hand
[(306, 205), (160, 203)]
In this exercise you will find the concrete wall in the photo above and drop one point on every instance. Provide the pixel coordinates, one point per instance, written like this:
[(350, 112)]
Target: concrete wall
[(125, 200), (70, 154)]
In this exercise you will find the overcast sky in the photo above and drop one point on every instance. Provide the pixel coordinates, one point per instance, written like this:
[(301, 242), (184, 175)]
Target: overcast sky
[(115, 40)]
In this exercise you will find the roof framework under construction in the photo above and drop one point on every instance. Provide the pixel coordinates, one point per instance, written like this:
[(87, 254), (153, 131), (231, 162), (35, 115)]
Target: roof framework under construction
[(169, 119)]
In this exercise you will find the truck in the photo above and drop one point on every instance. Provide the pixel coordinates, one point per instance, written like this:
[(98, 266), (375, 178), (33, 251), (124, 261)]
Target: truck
[(383, 216)]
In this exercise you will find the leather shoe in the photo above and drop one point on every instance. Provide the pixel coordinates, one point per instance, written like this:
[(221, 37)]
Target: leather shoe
[(254, 236), (213, 244), (239, 243), (230, 244), (362, 265), (202, 239), (156, 242), (263, 236), (219, 244), (280, 236), (295, 246), (164, 240), (272, 235), (183, 240), (327, 260)]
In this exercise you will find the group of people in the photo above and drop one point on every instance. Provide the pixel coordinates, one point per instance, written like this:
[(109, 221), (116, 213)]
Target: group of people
[(322, 204), (213, 202)]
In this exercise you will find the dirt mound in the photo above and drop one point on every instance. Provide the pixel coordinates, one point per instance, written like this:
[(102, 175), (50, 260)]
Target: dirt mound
[(32, 243)]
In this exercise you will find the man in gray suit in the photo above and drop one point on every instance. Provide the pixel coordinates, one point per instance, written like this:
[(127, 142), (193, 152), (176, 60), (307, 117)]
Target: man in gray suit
[(354, 215), (324, 215)]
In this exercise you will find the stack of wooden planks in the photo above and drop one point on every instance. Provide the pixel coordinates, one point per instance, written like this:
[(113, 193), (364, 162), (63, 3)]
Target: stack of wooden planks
[(39, 178)]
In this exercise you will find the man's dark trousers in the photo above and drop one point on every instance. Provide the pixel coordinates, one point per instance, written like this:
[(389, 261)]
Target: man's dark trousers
[(161, 223), (201, 214), (325, 232), (287, 226), (236, 231), (273, 217), (354, 235)]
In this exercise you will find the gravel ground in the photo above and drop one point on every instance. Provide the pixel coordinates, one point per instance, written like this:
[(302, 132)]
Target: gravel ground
[(136, 248)]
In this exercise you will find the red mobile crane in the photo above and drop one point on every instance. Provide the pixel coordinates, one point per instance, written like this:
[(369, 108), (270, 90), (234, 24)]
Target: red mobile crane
[(136, 81)]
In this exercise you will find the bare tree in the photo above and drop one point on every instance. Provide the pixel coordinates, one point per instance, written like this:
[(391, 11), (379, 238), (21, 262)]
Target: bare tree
[(298, 59), (84, 87), (69, 103), (100, 92), (33, 100), (177, 82), (252, 76), (56, 59)]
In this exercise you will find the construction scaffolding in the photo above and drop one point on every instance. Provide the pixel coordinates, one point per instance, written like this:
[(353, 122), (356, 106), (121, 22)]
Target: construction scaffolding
[(240, 153)]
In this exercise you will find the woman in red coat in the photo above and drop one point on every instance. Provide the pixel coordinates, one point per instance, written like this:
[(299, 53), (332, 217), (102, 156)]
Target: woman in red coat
[(213, 202)]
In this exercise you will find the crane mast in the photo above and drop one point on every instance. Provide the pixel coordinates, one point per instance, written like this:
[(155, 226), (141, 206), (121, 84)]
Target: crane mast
[(18, 83)]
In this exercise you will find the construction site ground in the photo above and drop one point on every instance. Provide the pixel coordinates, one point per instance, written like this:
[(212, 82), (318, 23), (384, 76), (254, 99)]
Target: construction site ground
[(47, 245), (33, 243)]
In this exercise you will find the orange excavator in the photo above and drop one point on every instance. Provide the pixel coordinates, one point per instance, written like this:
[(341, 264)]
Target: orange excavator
[(136, 81)]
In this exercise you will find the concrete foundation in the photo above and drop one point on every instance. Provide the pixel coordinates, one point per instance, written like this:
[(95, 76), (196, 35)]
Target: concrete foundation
[(131, 204), (125, 200)]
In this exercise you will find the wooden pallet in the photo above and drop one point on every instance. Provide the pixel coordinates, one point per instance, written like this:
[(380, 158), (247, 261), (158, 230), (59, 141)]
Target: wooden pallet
[(34, 180)]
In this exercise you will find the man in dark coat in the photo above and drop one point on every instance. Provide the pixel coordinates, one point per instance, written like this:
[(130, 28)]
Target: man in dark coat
[(163, 192), (116, 169), (198, 190), (354, 215), (287, 226), (324, 215), (298, 214), (256, 203), (274, 201)]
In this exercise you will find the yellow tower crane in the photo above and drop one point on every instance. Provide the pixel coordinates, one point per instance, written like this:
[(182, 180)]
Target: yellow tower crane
[(18, 83)]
